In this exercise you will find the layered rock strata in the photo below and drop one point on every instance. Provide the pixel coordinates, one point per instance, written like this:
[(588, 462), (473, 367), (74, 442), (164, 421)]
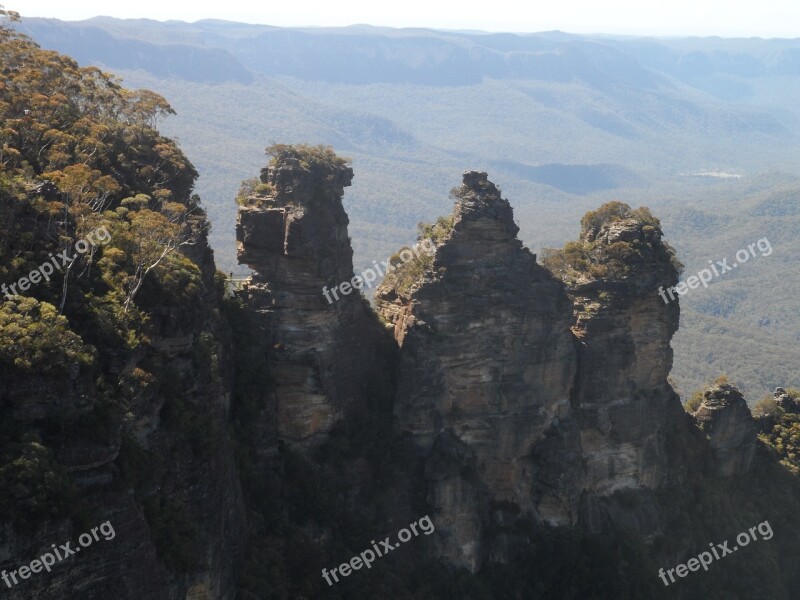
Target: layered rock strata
[(486, 369), (329, 356), (626, 409)]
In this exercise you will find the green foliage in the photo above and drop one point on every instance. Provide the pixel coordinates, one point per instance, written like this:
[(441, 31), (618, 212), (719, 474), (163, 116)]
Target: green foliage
[(609, 212), (591, 258), (254, 192), (7, 16), (310, 157), (87, 154), (561, 568), (34, 338), (409, 272), (694, 402), (76, 126), (79, 152), (439, 231), (512, 125), (784, 437), (178, 283), (767, 407), (35, 488)]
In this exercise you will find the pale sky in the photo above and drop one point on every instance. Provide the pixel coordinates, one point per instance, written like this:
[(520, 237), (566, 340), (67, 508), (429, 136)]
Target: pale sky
[(763, 18)]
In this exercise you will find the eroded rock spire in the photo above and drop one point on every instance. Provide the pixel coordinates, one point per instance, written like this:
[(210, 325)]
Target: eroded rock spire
[(486, 369)]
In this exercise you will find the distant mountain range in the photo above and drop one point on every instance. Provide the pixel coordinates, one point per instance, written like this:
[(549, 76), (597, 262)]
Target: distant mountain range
[(562, 123)]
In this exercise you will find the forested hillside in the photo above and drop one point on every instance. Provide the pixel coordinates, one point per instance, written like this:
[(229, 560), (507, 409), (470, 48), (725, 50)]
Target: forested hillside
[(112, 374)]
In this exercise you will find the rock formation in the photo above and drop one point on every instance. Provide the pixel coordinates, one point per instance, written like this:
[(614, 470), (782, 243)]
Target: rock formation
[(544, 397), (725, 418), (625, 408), (486, 368), (237, 446), (329, 356), (786, 401), (531, 405)]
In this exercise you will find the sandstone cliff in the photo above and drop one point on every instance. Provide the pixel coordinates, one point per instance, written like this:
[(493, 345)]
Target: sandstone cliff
[(626, 409), (532, 397), (239, 445), (115, 374), (486, 369), (329, 357)]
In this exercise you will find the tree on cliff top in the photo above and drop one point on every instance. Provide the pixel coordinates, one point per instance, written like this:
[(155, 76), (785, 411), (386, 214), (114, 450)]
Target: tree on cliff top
[(76, 148), (308, 155), (594, 258)]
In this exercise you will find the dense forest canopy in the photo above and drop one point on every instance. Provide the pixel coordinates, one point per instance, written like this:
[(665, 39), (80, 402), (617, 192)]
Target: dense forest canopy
[(83, 153)]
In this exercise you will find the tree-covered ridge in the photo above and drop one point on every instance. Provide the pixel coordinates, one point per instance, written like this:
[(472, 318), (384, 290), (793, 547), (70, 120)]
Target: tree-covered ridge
[(61, 121), (784, 438), (80, 154)]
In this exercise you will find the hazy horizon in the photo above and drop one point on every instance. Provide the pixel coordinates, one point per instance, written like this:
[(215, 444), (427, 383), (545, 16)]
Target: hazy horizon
[(767, 19)]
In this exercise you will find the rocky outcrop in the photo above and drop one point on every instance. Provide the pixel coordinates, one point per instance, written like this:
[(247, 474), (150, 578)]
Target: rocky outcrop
[(625, 408), (530, 402), (328, 354), (731, 430), (486, 369)]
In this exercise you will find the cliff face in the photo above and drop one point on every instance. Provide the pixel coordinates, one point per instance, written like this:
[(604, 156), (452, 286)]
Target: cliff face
[(725, 418), (161, 473), (115, 376), (530, 404), (625, 408), (486, 368), (529, 396), (520, 401), (328, 354)]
